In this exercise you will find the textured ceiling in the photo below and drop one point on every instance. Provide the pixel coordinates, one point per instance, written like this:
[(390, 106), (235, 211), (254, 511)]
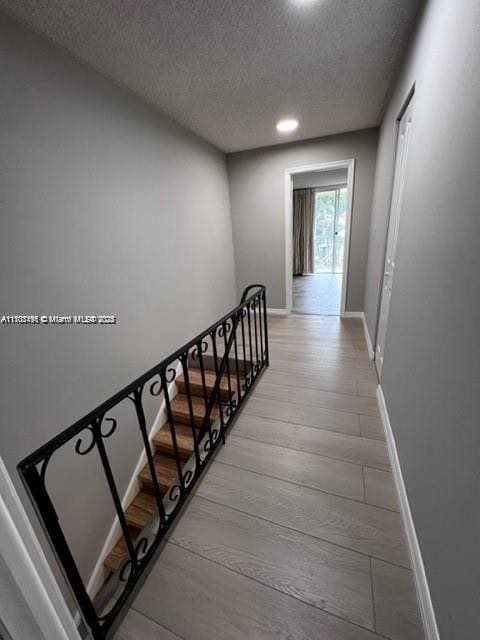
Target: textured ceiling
[(229, 69)]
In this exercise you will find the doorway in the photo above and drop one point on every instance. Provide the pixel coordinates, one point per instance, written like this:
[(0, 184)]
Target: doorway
[(318, 223), (404, 130)]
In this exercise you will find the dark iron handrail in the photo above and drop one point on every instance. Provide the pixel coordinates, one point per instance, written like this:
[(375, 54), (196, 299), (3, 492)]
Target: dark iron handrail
[(250, 317)]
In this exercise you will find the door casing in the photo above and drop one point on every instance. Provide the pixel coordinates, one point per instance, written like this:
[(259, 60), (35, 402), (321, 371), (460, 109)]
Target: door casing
[(289, 173), (389, 265)]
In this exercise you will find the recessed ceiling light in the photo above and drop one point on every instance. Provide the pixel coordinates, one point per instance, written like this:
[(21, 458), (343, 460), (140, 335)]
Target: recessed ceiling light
[(285, 126)]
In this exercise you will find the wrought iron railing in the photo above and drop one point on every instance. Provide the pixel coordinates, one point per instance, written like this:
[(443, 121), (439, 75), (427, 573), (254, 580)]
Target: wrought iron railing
[(235, 349)]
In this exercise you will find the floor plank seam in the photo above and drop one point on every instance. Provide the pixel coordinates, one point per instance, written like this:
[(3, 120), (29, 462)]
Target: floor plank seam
[(373, 594), (272, 588), (393, 564), (364, 485), (158, 624), (369, 438), (362, 370), (305, 486), (302, 386), (309, 426), (385, 468), (311, 535), (313, 453), (345, 352), (357, 373), (348, 343), (312, 361), (351, 350), (297, 484), (258, 395)]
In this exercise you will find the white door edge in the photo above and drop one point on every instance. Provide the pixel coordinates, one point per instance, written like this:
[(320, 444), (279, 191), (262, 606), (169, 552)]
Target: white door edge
[(389, 263), (26, 561)]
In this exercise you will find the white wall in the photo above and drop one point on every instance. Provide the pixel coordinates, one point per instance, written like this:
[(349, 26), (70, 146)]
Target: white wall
[(106, 207), (257, 194), (431, 372), (14, 611)]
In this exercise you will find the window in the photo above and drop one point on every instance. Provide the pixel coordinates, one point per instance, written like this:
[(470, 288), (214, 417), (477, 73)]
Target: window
[(330, 218)]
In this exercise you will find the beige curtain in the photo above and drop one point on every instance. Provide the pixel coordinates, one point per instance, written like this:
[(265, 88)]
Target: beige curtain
[(303, 219)]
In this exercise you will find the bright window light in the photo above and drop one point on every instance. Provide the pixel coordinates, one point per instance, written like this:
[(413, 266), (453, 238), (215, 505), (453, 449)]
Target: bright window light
[(285, 126)]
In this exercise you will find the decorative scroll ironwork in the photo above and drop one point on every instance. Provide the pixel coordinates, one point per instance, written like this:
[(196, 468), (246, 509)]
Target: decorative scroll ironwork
[(235, 348)]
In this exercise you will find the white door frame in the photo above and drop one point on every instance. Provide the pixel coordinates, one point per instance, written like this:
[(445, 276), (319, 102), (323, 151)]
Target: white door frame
[(289, 173), (26, 561), (395, 210)]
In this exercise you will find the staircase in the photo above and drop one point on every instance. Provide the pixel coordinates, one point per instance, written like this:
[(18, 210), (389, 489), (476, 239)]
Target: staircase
[(144, 505), (201, 389)]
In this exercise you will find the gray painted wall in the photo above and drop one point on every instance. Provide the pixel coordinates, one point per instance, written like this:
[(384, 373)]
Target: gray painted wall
[(431, 376), (106, 207), (312, 179), (257, 195)]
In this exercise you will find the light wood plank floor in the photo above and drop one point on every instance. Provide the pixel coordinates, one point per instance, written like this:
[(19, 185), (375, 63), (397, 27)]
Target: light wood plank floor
[(294, 532), (318, 293)]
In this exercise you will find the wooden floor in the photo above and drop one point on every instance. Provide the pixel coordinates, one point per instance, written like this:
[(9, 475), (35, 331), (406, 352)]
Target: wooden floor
[(318, 294), (294, 533)]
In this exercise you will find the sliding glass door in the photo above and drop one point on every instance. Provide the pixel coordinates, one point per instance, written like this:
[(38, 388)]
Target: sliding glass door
[(329, 229)]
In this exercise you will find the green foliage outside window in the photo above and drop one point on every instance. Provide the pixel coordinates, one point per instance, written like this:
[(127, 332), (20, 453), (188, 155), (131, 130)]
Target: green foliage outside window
[(330, 217)]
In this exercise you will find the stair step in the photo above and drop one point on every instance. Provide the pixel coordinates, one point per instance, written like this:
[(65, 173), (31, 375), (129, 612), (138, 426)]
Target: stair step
[(163, 441), (119, 552), (166, 470), (144, 504), (181, 413), (141, 510), (196, 383)]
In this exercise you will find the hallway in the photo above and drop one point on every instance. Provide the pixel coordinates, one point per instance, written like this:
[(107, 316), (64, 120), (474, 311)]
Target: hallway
[(294, 531), (317, 294)]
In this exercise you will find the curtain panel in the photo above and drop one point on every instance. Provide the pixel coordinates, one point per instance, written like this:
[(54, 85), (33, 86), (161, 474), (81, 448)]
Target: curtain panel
[(303, 232)]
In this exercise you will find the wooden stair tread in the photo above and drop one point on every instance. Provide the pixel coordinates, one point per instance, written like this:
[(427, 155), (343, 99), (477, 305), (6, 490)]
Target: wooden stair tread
[(181, 412), (119, 552), (163, 441), (141, 509), (166, 470), (144, 505), (196, 383)]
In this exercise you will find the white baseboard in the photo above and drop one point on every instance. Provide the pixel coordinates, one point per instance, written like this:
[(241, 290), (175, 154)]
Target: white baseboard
[(99, 574), (371, 352), (361, 315), (421, 583), (277, 312)]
